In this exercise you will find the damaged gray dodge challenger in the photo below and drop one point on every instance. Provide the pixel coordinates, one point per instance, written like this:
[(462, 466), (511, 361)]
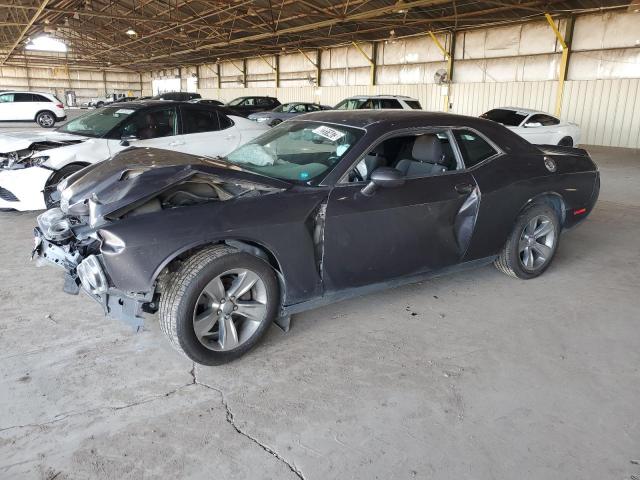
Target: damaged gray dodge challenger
[(318, 209)]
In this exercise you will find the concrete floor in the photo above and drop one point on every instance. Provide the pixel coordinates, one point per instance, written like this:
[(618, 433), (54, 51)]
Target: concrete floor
[(471, 376)]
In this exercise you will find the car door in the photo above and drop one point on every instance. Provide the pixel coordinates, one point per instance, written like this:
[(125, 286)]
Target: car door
[(6, 107), (23, 106), (156, 127), (396, 232), (205, 134)]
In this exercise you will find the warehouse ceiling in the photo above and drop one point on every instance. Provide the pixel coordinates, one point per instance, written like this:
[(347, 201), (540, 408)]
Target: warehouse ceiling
[(149, 34)]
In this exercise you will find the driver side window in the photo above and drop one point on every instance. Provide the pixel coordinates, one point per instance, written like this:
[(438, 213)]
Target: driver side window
[(421, 155)]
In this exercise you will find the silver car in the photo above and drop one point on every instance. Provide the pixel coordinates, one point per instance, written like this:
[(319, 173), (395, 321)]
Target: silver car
[(286, 111)]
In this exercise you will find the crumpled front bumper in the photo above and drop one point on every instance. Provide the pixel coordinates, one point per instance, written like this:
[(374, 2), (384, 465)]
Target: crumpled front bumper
[(21, 189), (114, 302)]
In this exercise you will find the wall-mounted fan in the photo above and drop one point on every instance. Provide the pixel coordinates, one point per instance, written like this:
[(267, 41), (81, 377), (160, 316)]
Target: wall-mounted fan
[(441, 77)]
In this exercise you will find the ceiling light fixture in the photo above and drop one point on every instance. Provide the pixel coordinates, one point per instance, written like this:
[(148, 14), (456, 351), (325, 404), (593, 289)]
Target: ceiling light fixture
[(131, 32), (634, 6)]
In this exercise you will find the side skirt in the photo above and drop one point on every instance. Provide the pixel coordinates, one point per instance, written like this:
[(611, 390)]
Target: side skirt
[(333, 297)]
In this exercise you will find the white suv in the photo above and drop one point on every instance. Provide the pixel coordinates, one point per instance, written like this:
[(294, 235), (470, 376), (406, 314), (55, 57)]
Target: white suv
[(43, 108), (378, 102)]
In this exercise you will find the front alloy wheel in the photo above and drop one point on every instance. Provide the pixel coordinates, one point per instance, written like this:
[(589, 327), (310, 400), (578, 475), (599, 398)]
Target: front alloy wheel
[(230, 309), (218, 304)]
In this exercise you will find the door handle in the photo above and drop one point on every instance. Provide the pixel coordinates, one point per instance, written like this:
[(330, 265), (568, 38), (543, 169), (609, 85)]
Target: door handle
[(464, 188)]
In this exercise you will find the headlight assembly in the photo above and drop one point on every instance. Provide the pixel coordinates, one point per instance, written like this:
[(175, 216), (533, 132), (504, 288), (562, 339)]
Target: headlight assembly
[(91, 275), (54, 225), (35, 161), (262, 119)]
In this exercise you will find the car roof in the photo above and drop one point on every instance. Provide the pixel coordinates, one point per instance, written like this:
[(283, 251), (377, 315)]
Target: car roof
[(402, 97), (395, 119), (26, 91), (156, 103), (528, 111)]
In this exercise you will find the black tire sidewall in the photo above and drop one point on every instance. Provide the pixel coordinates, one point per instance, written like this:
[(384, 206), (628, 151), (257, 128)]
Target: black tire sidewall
[(184, 321), (513, 253)]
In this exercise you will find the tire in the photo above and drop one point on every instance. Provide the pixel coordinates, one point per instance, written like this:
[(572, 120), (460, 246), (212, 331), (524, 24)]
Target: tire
[(181, 304), (99, 104), (46, 119), (275, 122), (566, 142), (55, 179), (515, 262)]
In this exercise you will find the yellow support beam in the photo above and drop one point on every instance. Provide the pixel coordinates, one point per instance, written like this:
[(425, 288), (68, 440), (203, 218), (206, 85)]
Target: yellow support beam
[(372, 63), (564, 60), (449, 57)]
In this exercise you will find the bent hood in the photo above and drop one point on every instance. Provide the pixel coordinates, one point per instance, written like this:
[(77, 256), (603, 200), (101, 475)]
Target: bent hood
[(136, 175), (14, 141)]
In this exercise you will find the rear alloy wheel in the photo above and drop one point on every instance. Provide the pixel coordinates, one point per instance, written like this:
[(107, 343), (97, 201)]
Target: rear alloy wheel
[(216, 307), (532, 245), (46, 119), (566, 142)]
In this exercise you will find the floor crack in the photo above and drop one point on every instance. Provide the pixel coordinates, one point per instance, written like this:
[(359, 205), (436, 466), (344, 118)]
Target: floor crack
[(231, 421)]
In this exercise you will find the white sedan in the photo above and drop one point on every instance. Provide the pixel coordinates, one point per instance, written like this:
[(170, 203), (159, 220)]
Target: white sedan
[(33, 163), (535, 126)]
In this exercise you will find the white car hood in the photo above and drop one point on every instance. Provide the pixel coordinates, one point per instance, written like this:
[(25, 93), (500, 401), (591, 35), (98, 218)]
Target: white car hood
[(13, 141)]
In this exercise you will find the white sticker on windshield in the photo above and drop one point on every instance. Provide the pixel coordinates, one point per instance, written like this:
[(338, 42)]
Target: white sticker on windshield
[(124, 111), (328, 132)]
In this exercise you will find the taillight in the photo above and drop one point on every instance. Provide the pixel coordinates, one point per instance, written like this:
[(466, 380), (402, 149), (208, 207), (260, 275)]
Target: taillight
[(59, 105)]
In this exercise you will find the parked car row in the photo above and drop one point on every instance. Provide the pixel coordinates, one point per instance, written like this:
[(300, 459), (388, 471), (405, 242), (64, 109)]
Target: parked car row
[(33, 163), (535, 126)]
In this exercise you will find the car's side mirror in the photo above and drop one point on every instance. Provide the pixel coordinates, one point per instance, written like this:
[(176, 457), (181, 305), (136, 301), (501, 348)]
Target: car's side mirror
[(383, 177), (532, 124), (126, 139)]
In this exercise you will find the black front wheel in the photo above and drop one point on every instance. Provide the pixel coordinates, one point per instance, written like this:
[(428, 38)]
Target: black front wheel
[(218, 304), (532, 244)]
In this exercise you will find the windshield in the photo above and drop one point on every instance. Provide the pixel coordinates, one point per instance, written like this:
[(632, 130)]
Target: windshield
[(299, 151), (510, 118), (282, 108), (97, 123), (350, 104)]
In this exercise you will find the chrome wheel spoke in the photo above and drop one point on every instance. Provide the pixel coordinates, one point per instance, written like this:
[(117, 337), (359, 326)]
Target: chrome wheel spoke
[(227, 333), (215, 290), (531, 226), (542, 250), (545, 228), (528, 257), (242, 284), (203, 323), (251, 310)]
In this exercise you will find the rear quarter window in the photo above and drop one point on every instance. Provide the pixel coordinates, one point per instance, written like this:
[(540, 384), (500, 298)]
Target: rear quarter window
[(473, 147)]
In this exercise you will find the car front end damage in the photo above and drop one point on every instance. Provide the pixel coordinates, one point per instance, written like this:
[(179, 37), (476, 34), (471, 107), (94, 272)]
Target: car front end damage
[(25, 168), (70, 243), (82, 236)]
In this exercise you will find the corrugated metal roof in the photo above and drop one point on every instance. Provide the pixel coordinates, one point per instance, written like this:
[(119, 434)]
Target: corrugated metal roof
[(187, 32)]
